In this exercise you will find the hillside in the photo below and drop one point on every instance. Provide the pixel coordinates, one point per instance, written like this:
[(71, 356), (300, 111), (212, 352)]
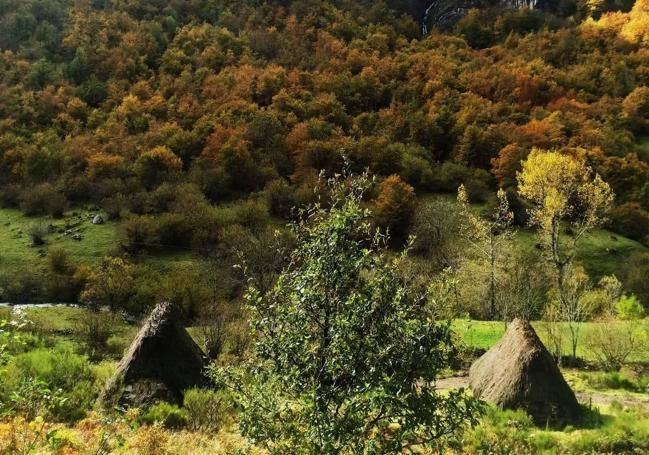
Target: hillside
[(298, 223)]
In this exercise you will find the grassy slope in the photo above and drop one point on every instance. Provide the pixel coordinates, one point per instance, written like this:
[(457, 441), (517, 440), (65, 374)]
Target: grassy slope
[(17, 252), (601, 252)]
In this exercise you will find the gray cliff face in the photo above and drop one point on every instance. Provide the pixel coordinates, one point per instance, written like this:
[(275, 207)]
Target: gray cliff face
[(444, 13)]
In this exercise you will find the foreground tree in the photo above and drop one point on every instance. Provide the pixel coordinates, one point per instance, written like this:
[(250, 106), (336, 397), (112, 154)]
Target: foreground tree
[(346, 353)]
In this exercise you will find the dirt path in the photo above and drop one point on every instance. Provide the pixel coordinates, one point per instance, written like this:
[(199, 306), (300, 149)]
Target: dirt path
[(596, 398)]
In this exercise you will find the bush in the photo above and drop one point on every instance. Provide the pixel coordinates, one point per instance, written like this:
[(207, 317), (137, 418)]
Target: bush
[(140, 234), (609, 380), (395, 205), (59, 260), (116, 206), (612, 343), (630, 220), (37, 235), (500, 432), (627, 433), (63, 372), (280, 198), (96, 328), (168, 415), (22, 286), (435, 227), (172, 230), (628, 308), (207, 410), (635, 275), (10, 196), (43, 200)]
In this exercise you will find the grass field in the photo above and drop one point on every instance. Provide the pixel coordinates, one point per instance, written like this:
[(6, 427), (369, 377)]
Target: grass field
[(16, 250), (97, 241), (484, 334)]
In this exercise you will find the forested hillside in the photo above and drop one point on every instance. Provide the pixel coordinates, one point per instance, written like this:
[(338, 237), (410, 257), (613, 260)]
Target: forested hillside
[(329, 205), (162, 113)]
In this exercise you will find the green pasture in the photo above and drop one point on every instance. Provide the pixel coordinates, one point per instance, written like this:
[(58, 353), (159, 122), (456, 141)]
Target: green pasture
[(484, 334), (17, 251)]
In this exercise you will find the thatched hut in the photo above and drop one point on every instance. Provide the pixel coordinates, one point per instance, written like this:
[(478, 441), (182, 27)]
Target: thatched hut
[(519, 372), (160, 364)]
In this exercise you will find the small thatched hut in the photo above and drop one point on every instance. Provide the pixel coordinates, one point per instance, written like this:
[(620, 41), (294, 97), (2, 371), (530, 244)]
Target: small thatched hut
[(161, 363), (519, 372)]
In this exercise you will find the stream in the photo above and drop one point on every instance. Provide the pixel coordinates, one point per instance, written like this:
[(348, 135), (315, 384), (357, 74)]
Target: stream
[(37, 305)]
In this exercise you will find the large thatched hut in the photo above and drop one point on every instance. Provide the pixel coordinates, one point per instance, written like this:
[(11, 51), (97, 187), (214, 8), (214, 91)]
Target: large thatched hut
[(161, 363)]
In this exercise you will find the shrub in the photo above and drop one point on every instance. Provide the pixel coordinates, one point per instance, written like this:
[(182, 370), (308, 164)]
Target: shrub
[(59, 260), (95, 328), (64, 373), (37, 234), (635, 275), (140, 234), (213, 321), (168, 415), (61, 288), (207, 410), (111, 283), (630, 220), (627, 433), (435, 227), (252, 214), (395, 205), (280, 198), (609, 380), (172, 230), (22, 286), (10, 195), (157, 164), (500, 432), (185, 289), (612, 343), (628, 308), (116, 206), (43, 200)]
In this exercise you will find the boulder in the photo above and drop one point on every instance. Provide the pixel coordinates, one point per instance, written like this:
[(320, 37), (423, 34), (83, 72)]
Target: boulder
[(97, 219), (519, 372), (161, 363)]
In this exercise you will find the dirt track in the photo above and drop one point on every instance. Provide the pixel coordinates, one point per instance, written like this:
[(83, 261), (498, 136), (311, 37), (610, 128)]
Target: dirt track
[(595, 398)]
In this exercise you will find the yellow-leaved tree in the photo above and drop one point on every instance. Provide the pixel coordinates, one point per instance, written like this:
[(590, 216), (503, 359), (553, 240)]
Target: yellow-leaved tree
[(637, 27), (568, 200)]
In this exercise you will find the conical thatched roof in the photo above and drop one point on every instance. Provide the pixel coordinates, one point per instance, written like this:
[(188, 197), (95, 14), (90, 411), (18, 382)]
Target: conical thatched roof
[(519, 372), (161, 363)]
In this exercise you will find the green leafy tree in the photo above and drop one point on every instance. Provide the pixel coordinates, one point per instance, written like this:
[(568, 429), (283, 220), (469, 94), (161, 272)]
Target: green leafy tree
[(346, 353), (490, 238)]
